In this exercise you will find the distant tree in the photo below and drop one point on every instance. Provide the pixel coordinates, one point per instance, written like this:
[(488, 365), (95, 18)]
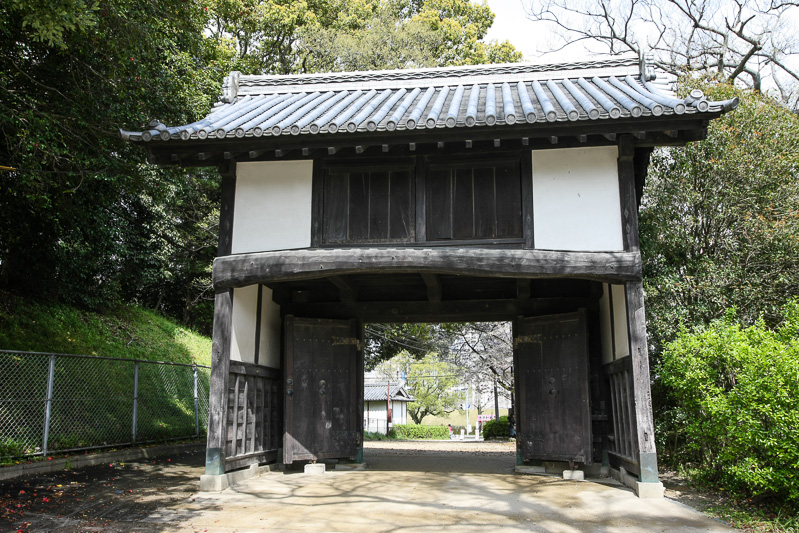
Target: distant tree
[(430, 380), (483, 351), (744, 40)]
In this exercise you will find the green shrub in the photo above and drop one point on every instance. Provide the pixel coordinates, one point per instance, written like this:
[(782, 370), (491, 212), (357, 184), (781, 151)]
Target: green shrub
[(735, 393), (497, 429), (414, 431)]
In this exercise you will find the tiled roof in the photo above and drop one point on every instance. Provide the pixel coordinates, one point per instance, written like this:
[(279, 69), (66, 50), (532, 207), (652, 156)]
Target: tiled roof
[(453, 97), (377, 392)]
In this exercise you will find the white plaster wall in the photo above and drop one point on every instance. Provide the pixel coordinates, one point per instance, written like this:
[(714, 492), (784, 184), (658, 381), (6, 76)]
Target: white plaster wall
[(269, 351), (272, 210), (576, 199), (620, 321), (605, 325), (242, 338)]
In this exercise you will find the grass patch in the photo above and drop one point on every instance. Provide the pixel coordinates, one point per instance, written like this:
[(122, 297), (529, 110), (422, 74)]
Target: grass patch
[(753, 518), (127, 332)]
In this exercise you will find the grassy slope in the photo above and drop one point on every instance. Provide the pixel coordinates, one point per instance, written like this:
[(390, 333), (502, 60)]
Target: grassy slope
[(126, 331)]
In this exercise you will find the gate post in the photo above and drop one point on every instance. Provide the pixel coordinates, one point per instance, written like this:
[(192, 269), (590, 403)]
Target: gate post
[(196, 403), (648, 485), (48, 404), (135, 400), (218, 389)]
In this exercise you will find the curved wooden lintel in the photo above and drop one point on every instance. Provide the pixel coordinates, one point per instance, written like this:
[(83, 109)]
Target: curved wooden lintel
[(292, 265)]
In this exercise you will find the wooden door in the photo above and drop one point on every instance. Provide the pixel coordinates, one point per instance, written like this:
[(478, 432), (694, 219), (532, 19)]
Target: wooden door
[(552, 390), (324, 389)]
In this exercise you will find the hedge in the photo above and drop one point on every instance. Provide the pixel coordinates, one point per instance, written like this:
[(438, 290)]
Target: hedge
[(414, 431)]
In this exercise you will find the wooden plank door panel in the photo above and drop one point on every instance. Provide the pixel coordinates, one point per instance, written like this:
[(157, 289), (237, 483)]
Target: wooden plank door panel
[(551, 360), (322, 388)]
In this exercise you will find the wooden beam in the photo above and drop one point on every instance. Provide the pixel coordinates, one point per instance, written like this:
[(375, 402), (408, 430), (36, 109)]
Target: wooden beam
[(497, 143), (433, 284), (280, 153), (412, 147), (331, 150), (248, 269), (347, 291), (610, 136), (360, 149), (525, 141), (440, 145), (583, 138), (384, 148), (445, 311), (256, 153), (640, 135), (468, 143), (553, 139), (306, 151)]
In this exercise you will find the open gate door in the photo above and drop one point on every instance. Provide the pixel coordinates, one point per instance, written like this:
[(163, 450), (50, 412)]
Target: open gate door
[(324, 389), (552, 390)]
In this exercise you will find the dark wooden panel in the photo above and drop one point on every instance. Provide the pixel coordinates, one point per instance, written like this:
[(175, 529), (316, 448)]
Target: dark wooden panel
[(463, 204), (321, 362), (554, 417), (508, 202), (218, 396), (378, 206), (358, 207), (401, 221), (439, 204), (336, 202), (486, 207)]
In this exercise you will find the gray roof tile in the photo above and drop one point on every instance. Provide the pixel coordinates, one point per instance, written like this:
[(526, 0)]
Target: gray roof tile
[(451, 97)]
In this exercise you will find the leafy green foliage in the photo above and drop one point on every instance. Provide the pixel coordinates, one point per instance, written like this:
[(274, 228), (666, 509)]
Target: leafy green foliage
[(416, 431), (496, 429), (720, 219), (83, 216), (735, 395)]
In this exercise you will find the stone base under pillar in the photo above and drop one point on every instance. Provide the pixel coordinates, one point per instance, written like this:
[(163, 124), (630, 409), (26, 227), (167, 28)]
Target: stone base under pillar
[(649, 490), (213, 483)]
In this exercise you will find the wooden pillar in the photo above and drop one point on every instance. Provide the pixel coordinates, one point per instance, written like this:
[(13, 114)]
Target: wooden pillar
[(636, 318), (220, 350)]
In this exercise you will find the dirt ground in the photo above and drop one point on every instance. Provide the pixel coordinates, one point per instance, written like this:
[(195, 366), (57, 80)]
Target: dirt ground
[(161, 494)]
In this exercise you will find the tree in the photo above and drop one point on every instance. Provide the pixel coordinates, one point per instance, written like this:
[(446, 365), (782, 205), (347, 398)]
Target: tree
[(483, 351), (719, 220), (744, 40), (80, 210), (430, 380)]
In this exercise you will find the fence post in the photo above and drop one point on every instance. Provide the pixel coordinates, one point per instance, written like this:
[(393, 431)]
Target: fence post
[(135, 398), (196, 404), (48, 404)]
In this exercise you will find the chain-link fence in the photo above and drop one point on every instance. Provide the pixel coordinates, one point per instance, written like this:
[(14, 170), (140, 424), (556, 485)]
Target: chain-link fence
[(60, 402)]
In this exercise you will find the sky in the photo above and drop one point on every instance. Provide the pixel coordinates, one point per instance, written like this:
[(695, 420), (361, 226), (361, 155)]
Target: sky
[(511, 23)]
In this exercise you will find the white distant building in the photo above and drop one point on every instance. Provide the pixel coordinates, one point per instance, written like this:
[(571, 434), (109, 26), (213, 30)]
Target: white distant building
[(374, 406)]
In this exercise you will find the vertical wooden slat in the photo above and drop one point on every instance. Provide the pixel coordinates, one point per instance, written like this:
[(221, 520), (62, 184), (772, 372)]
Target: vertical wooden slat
[(439, 204), (510, 195), (358, 206), (234, 450), (463, 204), (245, 424), (378, 206), (335, 208), (485, 208), (401, 220)]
